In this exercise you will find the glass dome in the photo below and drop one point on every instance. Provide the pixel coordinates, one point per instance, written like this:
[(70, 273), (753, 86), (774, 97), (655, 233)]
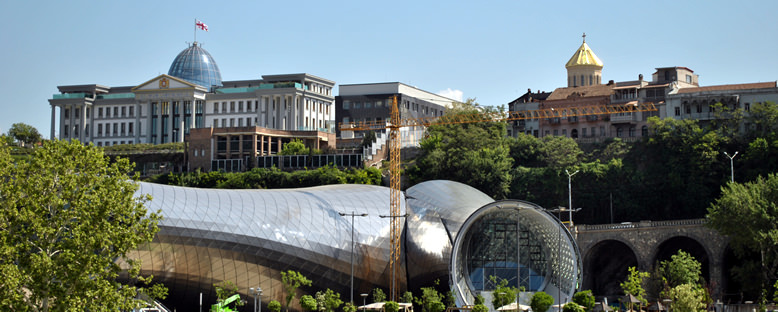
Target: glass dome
[(196, 65)]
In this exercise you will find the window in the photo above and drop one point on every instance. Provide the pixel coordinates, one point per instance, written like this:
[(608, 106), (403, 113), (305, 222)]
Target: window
[(620, 132), (747, 107), (583, 132), (248, 121), (240, 106), (688, 78), (574, 81), (100, 112), (115, 128), (88, 110), (132, 111), (224, 107), (591, 80), (644, 131), (129, 128), (215, 107), (67, 113), (232, 107), (124, 111), (215, 123), (78, 113), (602, 130), (564, 132), (99, 129), (632, 132), (688, 109), (123, 129), (224, 122), (115, 111), (240, 122), (678, 111), (368, 104), (232, 122), (699, 108), (556, 132)]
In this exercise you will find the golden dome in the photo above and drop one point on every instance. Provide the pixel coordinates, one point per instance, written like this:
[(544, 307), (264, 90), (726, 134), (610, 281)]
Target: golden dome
[(584, 56)]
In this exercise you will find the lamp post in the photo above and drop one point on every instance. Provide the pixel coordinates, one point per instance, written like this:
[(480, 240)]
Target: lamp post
[(364, 296), (393, 293), (257, 292), (352, 215), (570, 194), (732, 165), (518, 251)]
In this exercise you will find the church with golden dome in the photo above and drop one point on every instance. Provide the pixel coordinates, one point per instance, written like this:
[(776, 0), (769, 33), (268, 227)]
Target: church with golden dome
[(584, 68)]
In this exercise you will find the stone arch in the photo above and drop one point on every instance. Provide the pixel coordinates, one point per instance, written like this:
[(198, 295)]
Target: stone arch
[(671, 246), (606, 265)]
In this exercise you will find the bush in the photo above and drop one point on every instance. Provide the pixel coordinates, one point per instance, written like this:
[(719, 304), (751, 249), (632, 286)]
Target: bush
[(391, 306), (274, 306), (480, 308), (541, 301), (308, 303), (572, 307), (584, 299)]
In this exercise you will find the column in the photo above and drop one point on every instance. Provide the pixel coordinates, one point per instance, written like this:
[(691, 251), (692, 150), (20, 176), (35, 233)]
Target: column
[(182, 119), (262, 145), (279, 146), (254, 150), (82, 123), (136, 127), (269, 146), (171, 119), (229, 151), (53, 123)]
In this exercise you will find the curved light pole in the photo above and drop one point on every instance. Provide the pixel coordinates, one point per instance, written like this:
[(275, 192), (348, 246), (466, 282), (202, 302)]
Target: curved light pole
[(352, 215), (732, 165)]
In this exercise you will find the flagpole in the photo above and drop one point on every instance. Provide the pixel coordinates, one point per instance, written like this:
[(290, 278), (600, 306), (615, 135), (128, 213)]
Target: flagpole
[(195, 30)]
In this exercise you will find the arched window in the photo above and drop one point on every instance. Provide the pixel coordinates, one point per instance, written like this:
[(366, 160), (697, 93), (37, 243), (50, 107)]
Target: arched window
[(591, 80), (583, 81), (573, 81)]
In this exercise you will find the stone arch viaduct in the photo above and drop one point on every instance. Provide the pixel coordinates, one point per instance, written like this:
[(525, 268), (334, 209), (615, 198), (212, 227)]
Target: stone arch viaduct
[(609, 249)]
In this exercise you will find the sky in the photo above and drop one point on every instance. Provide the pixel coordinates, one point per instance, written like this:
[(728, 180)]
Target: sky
[(493, 51)]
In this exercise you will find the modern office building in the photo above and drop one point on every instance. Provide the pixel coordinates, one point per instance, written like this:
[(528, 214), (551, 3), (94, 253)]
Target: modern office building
[(452, 233), (191, 95), (372, 102)]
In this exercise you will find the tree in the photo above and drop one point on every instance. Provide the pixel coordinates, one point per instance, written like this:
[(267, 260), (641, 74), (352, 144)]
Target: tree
[(687, 298), (763, 115), (349, 307), (430, 300), (682, 269), (331, 300), (308, 303), (378, 295), (572, 307), (68, 218), (634, 285), (293, 280), (24, 133), (407, 297), (480, 308), (274, 306), (756, 245), (296, 147), (541, 301), (226, 289), (502, 294), (584, 299), (559, 153), (391, 306)]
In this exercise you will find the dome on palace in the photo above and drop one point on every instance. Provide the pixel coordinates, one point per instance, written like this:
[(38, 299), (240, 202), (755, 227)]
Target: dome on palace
[(584, 56), (197, 66)]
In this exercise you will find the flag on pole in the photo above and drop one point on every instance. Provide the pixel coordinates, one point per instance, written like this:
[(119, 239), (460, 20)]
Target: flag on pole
[(201, 25)]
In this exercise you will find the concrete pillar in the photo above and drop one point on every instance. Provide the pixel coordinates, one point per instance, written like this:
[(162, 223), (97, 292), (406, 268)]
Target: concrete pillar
[(279, 146), (269, 146), (229, 150), (182, 120), (262, 145), (254, 149), (82, 124)]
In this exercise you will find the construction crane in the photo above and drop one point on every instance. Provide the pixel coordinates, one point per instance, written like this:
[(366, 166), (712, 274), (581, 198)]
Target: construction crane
[(395, 123)]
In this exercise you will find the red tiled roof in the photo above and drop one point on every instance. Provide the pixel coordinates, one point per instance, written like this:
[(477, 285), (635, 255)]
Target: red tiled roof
[(742, 86), (587, 91)]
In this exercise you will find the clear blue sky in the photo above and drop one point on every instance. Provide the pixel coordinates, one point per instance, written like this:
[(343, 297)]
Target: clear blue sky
[(489, 50)]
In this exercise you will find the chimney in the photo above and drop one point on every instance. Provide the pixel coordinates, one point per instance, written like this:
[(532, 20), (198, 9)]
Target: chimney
[(640, 77), (610, 82)]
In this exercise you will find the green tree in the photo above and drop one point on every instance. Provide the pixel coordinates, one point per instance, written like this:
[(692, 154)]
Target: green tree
[(391, 306), (572, 307), (226, 289), (6, 140), (291, 281), (331, 300), (68, 217), (681, 269), (756, 245), (559, 153), (378, 295), (634, 285), (479, 299), (308, 303), (764, 116), (687, 298), (541, 301), (584, 299), (296, 147), (502, 294), (480, 308), (407, 297), (349, 307), (24, 133), (430, 300), (274, 306)]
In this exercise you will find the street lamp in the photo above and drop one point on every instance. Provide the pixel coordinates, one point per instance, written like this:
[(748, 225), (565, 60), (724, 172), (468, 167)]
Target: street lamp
[(352, 214), (570, 194), (394, 273), (518, 252), (364, 296), (257, 292), (732, 165)]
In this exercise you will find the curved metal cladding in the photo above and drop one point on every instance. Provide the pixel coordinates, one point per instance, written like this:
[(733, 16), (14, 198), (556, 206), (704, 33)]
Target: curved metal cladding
[(250, 236), (436, 211), (486, 246)]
